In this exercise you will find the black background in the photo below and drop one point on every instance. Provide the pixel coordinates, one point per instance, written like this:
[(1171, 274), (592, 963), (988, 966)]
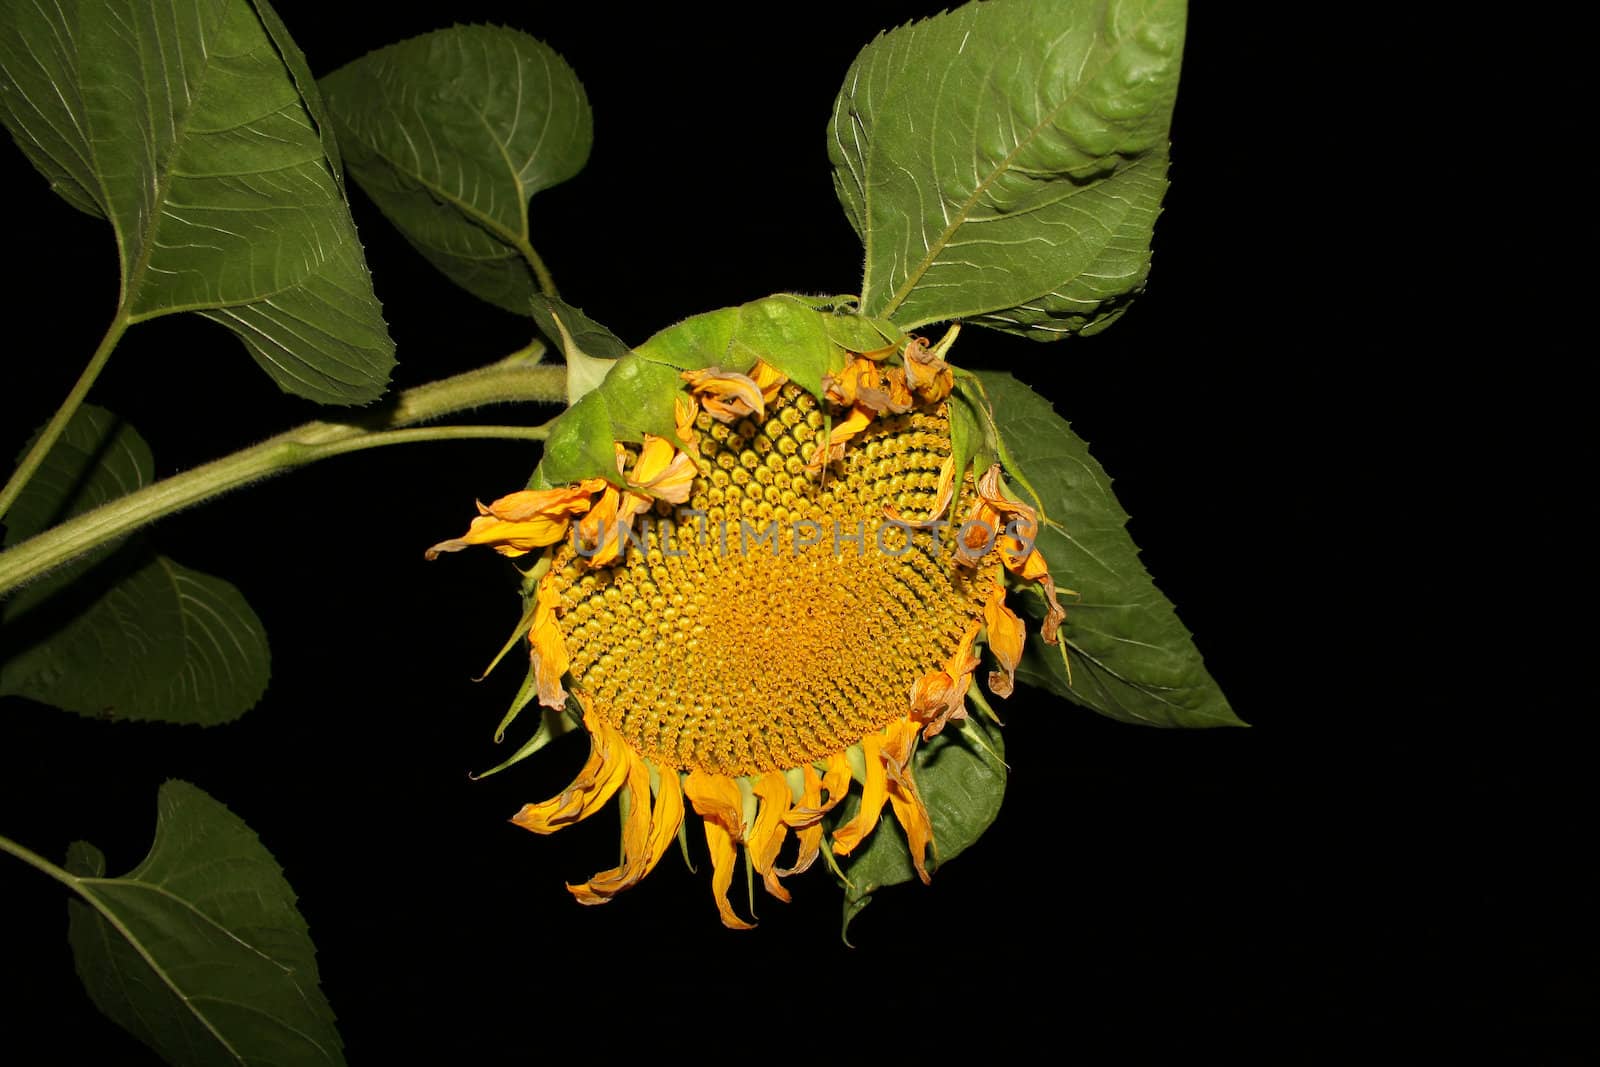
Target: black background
[(1352, 879)]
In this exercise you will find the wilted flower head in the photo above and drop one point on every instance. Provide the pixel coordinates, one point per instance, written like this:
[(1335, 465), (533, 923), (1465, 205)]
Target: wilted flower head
[(779, 593)]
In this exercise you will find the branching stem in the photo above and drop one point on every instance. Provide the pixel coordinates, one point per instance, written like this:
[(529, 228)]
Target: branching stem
[(518, 378)]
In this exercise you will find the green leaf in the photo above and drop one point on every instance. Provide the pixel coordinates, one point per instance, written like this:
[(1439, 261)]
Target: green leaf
[(199, 951), (306, 83), (122, 633), (1004, 163), (1128, 655), (450, 134), (961, 775), (183, 126)]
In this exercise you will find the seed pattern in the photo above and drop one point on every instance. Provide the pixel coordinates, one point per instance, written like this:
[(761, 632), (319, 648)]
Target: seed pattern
[(777, 617)]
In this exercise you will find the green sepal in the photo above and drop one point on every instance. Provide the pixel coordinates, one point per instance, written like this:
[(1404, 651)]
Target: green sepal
[(696, 343), (971, 430), (791, 338), (639, 395), (862, 333), (580, 443), (553, 723), (589, 349), (524, 624), (525, 694)]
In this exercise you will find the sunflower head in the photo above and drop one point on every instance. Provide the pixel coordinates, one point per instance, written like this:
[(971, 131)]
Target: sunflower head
[(771, 549)]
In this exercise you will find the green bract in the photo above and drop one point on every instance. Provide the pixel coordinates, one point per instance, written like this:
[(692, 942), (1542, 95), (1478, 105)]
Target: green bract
[(804, 338)]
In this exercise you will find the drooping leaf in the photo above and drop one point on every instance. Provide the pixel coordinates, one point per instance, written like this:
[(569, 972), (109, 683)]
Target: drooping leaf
[(451, 133), (122, 633), (1004, 163), (1128, 655), (961, 775), (199, 951), (182, 125)]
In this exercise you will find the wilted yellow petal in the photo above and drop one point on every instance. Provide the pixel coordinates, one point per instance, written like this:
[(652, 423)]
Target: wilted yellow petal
[(768, 379), (549, 649), (1017, 548), (685, 408), (901, 741), (596, 783), (716, 799), (940, 696), (518, 523), (599, 532), (862, 384), (663, 472), (836, 779), (805, 818), (635, 842), (873, 795), (727, 396), (665, 819), (929, 377), (766, 836), (723, 857), (1005, 635), (859, 419)]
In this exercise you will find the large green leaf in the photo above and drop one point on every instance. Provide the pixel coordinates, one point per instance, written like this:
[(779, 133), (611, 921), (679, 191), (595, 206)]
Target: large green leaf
[(199, 951), (122, 633), (1127, 654), (961, 775), (184, 127), (1004, 163), (451, 133)]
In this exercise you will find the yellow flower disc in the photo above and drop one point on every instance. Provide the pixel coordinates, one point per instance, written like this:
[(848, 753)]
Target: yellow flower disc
[(788, 620)]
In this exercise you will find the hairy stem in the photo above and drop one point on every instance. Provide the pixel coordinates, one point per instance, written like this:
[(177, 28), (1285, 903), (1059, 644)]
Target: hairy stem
[(547, 282), (518, 378), (58, 422)]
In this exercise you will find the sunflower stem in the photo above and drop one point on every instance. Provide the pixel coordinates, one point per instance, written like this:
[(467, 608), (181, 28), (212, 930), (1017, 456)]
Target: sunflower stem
[(517, 378)]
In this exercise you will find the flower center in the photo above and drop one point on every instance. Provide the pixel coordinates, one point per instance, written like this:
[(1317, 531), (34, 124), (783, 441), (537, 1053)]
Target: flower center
[(779, 617)]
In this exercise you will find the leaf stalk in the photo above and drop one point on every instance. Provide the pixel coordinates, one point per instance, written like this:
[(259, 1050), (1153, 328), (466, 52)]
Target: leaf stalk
[(547, 281), (39, 863), (58, 421)]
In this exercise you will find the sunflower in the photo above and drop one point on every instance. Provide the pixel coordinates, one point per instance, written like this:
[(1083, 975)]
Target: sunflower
[(781, 598)]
